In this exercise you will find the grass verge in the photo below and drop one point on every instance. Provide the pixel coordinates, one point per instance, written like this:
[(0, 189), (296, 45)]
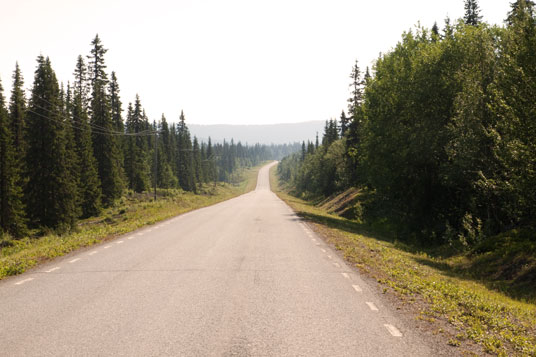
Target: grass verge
[(464, 311), (130, 213)]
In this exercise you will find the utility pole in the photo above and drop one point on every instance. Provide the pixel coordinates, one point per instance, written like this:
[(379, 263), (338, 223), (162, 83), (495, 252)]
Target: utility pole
[(155, 162)]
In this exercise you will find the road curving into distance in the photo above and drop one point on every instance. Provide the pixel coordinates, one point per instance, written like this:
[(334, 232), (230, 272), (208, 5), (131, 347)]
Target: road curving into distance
[(245, 277)]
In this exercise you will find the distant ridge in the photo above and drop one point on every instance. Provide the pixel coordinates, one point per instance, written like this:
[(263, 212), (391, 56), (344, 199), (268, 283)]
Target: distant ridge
[(262, 134)]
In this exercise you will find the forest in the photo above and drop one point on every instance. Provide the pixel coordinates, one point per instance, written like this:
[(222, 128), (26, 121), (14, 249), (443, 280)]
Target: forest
[(439, 136), (67, 152)]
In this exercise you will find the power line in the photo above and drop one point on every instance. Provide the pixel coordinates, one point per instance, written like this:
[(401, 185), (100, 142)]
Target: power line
[(98, 127), (110, 133)]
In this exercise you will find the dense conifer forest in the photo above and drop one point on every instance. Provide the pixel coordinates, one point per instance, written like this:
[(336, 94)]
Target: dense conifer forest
[(68, 151), (440, 135)]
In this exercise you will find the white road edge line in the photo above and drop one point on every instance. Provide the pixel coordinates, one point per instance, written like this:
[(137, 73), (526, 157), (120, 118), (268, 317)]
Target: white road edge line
[(372, 306), (74, 260), (24, 281), (357, 288), (51, 270), (346, 275), (393, 330)]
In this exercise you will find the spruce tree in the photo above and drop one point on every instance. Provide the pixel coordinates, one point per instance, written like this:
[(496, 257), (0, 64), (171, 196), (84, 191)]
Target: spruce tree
[(115, 104), (89, 188), (211, 162), (185, 161), (51, 191), (17, 108), (472, 13), (11, 205), (136, 159), (344, 123), (71, 157), (17, 111), (105, 146), (356, 86), (196, 156)]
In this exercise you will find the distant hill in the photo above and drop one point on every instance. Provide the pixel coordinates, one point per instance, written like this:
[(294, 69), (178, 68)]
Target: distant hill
[(262, 134)]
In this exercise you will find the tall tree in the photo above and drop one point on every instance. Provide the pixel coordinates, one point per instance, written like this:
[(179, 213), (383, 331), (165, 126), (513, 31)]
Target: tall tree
[(17, 108), (356, 87), (11, 206), (184, 156), (90, 190), (50, 191), (196, 155), (136, 158), (472, 13), (105, 146), (520, 8)]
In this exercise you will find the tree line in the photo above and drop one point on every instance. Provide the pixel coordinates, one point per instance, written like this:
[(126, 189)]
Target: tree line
[(440, 135), (68, 152)]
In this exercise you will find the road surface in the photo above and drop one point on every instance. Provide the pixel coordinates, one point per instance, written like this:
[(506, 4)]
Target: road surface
[(242, 278)]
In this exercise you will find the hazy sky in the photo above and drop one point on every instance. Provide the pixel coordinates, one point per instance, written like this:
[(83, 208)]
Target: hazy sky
[(226, 61)]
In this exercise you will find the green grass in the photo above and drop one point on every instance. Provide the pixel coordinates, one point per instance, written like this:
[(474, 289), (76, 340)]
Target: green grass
[(130, 213), (445, 297)]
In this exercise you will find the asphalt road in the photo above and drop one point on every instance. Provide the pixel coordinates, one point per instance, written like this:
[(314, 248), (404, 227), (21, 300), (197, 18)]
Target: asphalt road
[(242, 278)]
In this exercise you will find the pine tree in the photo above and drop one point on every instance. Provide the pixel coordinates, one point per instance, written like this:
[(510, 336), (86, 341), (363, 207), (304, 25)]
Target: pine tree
[(356, 90), (472, 13), (105, 147), (344, 123), (136, 159), (11, 206), (17, 122), (82, 84), (50, 191), (211, 162), (184, 155), (72, 161), (90, 191), (435, 30), (17, 108), (198, 169), (115, 104)]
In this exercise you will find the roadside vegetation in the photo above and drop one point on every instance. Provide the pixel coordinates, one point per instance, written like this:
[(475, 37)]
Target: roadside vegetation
[(457, 295), (132, 211), (427, 182)]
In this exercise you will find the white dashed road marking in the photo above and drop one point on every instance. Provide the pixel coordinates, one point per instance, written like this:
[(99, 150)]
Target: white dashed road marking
[(323, 250), (93, 252), (74, 260), (24, 281), (139, 234), (372, 306), (337, 265), (329, 256), (131, 237), (393, 330), (346, 275), (119, 242), (357, 288), (108, 246), (51, 270)]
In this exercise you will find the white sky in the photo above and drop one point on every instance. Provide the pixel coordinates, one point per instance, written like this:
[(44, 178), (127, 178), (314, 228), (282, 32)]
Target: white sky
[(223, 62)]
